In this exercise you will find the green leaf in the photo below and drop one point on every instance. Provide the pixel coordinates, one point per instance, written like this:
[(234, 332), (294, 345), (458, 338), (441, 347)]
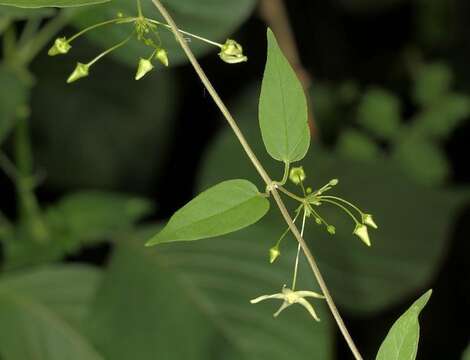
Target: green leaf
[(224, 208), (421, 160), (466, 354), (432, 82), (212, 19), (407, 242), (283, 113), (443, 116), (358, 146), (380, 113), (21, 14), (42, 311), (33, 4), (77, 219), (200, 293), (13, 95), (402, 340)]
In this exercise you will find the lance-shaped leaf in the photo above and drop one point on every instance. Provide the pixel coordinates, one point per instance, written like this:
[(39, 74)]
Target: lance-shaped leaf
[(224, 208), (283, 113), (50, 3), (402, 340)]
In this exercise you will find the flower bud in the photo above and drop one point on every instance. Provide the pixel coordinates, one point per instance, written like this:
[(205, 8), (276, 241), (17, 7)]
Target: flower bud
[(274, 253), (333, 182), (331, 229), (162, 56), (144, 67), (81, 71), (61, 46), (297, 175), (369, 221), (232, 52), (362, 233)]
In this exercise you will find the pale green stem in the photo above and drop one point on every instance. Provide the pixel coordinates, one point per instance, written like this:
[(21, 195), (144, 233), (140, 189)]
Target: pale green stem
[(342, 200), (343, 208), (296, 266), (262, 172), (104, 23), (4, 23), (290, 194), (104, 53), (186, 33), (139, 9), (30, 29), (287, 230), (318, 215)]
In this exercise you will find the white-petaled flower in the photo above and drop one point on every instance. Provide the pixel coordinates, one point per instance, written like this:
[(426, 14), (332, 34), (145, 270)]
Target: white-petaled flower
[(368, 220), (297, 175), (291, 297), (232, 52), (362, 233), (61, 46), (144, 67), (81, 71)]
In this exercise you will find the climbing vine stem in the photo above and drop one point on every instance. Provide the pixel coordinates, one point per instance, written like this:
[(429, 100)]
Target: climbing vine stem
[(264, 175)]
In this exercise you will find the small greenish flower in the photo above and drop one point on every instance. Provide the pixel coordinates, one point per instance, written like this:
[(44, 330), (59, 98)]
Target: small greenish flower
[(61, 46), (291, 297), (297, 175), (274, 253), (369, 221), (232, 52), (333, 182), (81, 71), (162, 56), (362, 233), (144, 67), (331, 229)]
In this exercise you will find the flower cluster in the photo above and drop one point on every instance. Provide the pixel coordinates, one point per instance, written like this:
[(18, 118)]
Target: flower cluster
[(146, 31)]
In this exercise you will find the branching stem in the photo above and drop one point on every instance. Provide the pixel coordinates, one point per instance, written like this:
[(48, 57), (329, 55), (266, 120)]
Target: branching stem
[(262, 172)]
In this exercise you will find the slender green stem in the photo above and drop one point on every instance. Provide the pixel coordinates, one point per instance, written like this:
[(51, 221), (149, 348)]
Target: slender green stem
[(30, 29), (346, 210), (186, 33), (291, 195), (262, 172), (8, 167), (115, 47), (287, 230), (4, 24), (9, 43), (104, 23), (296, 266), (139, 9), (285, 176), (342, 200), (317, 215)]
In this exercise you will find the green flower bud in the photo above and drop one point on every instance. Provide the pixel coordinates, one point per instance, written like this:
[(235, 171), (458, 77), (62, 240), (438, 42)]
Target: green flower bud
[(318, 221), (297, 175), (61, 46), (331, 229), (232, 52), (162, 56), (362, 233), (81, 71), (274, 253), (333, 182), (309, 190), (369, 221), (144, 67)]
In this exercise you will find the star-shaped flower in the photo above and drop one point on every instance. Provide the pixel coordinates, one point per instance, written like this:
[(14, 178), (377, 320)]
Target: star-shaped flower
[(291, 297)]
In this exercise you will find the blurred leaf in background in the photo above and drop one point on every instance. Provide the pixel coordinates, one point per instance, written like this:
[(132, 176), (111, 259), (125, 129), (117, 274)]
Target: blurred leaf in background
[(77, 220), (42, 313), (212, 19), (32, 4), (152, 302)]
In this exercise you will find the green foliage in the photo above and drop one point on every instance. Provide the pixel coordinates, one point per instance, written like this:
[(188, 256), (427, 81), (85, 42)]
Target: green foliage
[(466, 355), (224, 208), (50, 3), (21, 13), (432, 81), (200, 292), (214, 19), (380, 113), (422, 160), (374, 278), (42, 311), (402, 340), (283, 113), (76, 220), (13, 96), (357, 145)]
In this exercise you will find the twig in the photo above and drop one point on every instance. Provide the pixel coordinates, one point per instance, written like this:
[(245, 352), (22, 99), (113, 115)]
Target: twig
[(262, 172)]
